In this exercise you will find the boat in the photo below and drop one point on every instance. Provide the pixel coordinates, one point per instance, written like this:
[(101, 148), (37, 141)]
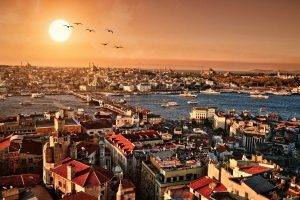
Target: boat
[(282, 93), (187, 94), (37, 95), (169, 104), (25, 103), (259, 96), (210, 92), (122, 101), (192, 102)]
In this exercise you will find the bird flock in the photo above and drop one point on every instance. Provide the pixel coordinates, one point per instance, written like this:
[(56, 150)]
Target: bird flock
[(90, 30)]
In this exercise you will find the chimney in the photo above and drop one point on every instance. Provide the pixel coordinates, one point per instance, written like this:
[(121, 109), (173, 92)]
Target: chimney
[(212, 185), (70, 172)]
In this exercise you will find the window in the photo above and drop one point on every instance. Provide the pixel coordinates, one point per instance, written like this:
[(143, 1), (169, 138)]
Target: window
[(246, 195), (23, 161), (59, 183)]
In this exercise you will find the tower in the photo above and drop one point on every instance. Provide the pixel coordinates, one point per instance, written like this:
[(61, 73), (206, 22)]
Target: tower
[(102, 158), (119, 195), (56, 149)]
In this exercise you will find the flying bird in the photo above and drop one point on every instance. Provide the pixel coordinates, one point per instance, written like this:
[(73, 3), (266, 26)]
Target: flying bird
[(109, 30), (118, 47), (78, 23), (68, 26), (90, 30), (104, 44)]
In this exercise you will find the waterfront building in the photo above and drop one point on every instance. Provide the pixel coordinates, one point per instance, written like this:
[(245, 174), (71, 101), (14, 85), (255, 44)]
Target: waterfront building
[(199, 114), (128, 88), (143, 87), (127, 121)]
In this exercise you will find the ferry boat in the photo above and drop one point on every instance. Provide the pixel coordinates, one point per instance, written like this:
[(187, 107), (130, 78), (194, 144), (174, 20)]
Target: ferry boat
[(169, 104), (122, 101), (37, 95), (282, 93), (259, 96), (192, 102), (210, 92), (26, 103), (187, 94)]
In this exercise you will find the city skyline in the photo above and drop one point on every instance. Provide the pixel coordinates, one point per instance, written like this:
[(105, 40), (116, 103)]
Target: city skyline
[(177, 34)]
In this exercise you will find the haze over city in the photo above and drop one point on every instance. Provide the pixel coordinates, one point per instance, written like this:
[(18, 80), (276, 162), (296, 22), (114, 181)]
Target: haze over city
[(226, 35)]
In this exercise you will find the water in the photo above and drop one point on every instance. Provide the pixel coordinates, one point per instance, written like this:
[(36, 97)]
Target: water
[(11, 106), (284, 105)]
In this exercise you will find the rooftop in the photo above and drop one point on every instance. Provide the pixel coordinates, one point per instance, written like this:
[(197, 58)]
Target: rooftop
[(84, 175), (205, 186)]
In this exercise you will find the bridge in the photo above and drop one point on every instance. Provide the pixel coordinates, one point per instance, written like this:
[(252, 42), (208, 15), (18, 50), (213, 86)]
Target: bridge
[(104, 102)]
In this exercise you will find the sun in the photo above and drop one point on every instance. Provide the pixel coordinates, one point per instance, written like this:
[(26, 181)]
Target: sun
[(58, 30)]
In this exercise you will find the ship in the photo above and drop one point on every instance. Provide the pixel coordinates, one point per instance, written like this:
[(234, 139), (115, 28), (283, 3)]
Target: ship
[(192, 102), (169, 104), (37, 95), (187, 94), (282, 93), (259, 96), (210, 92), (26, 103)]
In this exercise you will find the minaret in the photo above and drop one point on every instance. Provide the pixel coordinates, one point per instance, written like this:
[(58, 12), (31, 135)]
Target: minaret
[(102, 153), (119, 194)]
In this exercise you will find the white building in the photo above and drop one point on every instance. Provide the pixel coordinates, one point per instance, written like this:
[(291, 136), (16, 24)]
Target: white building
[(219, 121), (128, 88), (200, 114), (143, 87)]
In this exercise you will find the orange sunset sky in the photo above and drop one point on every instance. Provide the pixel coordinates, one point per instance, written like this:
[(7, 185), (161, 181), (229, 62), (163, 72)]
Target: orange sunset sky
[(179, 34)]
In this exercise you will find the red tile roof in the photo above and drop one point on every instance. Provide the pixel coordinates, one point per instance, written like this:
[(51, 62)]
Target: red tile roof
[(121, 142), (204, 186), (20, 181), (85, 175), (256, 169), (4, 144)]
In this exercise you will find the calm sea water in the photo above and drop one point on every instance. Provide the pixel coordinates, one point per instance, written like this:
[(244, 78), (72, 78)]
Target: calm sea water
[(284, 105)]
